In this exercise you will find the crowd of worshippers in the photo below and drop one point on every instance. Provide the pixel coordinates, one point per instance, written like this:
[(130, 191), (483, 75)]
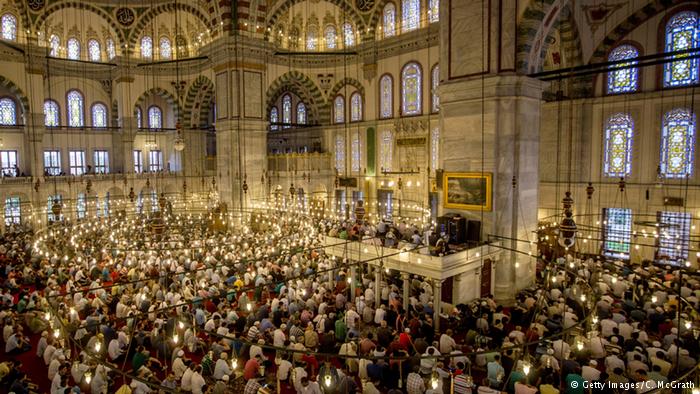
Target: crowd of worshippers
[(273, 310), (401, 235)]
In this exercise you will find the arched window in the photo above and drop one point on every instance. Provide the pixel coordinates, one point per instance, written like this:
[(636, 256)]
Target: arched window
[(386, 97), (677, 143), (355, 107), (433, 11), (94, 51), (301, 113), (146, 47), (51, 111), (386, 150), (73, 48), (389, 20), (434, 82), (339, 109), (434, 148), (111, 49), (99, 115), (166, 50), (75, 109), (410, 15), (54, 45), (355, 151), (330, 36), (155, 117), (340, 153), (9, 27), (411, 103), (348, 34), (274, 118), (311, 39), (619, 131), (625, 80), (286, 110), (682, 33), (139, 117), (8, 111)]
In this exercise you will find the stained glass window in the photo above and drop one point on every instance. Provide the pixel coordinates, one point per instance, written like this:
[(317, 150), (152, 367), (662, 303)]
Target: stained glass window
[(434, 147), (73, 49), (340, 154), (433, 10), (619, 131), (674, 237), (13, 212), (166, 50), (51, 112), (76, 162), (100, 161), (339, 109), (389, 16), (626, 80), (311, 39), (155, 118), (99, 115), (348, 35), (9, 27), (355, 107), (75, 109), (286, 111), (139, 117), (411, 89), (146, 47), (386, 150), (301, 113), (81, 206), (54, 45), (94, 51), (330, 36), (682, 33), (355, 151), (677, 143), (274, 118), (410, 15), (435, 81), (52, 162), (111, 49), (617, 232), (386, 97), (8, 111), (155, 161)]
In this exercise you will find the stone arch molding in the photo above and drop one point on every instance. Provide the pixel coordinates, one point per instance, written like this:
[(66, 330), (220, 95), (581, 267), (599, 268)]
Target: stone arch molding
[(80, 5), (345, 5), (17, 93), (165, 95), (152, 13), (198, 101), (301, 85), (345, 82)]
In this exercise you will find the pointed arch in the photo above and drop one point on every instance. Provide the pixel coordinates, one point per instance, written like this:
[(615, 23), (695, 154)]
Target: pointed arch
[(300, 84), (139, 27), (80, 5), (348, 9), (165, 95), (198, 102), (342, 83), (17, 93)]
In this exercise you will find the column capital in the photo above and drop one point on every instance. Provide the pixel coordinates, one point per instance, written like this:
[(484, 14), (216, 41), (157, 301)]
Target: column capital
[(405, 275)]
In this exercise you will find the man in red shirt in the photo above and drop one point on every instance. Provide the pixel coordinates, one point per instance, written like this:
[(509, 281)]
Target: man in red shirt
[(252, 368)]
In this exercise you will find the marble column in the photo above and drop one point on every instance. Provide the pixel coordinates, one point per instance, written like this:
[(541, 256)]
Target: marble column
[(353, 279), (406, 287), (378, 287), (437, 301)]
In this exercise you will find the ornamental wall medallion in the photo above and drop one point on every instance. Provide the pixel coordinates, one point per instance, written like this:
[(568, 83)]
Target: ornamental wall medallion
[(125, 16), (364, 5), (36, 5)]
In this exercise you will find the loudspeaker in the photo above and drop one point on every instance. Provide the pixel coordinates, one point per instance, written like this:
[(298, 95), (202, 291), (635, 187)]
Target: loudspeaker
[(438, 178), (474, 232), (458, 230)]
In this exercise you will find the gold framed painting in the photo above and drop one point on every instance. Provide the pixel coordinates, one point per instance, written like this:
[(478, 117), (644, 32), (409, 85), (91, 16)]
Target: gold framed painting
[(467, 190)]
